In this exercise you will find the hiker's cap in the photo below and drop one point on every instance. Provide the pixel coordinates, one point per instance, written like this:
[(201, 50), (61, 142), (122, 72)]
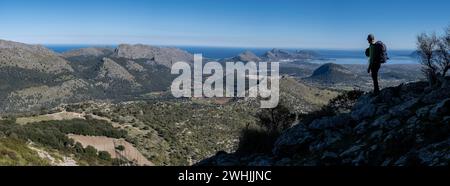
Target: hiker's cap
[(371, 37)]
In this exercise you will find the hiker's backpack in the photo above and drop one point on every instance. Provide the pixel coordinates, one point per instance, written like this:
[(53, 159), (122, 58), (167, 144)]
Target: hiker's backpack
[(381, 52)]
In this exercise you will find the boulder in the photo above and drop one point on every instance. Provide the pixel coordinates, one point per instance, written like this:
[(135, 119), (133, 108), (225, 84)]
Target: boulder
[(382, 109), (293, 140), (261, 161), (440, 110), (386, 162), (389, 96), (404, 109), (423, 111), (446, 120), (392, 124), (376, 136), (364, 112), (436, 96), (330, 138), (402, 161), (437, 154), (412, 90), (333, 122), (329, 157), (352, 151), (361, 128), (412, 124), (221, 159), (360, 160), (284, 162), (381, 121)]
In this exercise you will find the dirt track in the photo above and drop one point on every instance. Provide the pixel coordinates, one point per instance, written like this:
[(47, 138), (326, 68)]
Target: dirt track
[(50, 117)]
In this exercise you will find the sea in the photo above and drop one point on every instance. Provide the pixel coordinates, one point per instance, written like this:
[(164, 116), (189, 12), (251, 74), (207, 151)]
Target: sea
[(327, 55)]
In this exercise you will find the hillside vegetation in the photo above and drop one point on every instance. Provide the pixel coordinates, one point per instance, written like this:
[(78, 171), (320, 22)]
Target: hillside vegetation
[(15, 152), (166, 132), (53, 135)]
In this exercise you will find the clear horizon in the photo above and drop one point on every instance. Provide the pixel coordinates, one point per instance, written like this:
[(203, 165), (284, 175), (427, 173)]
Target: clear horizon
[(201, 46), (289, 24), (343, 56)]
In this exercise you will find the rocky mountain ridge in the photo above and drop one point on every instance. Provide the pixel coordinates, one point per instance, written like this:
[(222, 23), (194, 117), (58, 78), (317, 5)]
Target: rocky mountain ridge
[(246, 56), (93, 52), (31, 75), (406, 125), (279, 54), (31, 57), (161, 55), (276, 55)]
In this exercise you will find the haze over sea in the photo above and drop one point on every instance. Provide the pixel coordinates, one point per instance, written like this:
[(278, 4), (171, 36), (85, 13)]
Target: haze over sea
[(329, 55)]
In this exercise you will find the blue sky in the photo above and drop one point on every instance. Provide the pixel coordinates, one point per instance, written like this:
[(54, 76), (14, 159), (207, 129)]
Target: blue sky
[(328, 24)]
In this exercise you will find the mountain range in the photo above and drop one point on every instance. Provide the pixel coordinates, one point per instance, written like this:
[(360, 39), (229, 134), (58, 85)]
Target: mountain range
[(121, 94), (34, 77), (32, 74)]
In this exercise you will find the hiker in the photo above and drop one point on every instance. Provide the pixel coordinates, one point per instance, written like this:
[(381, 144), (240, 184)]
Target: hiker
[(377, 55)]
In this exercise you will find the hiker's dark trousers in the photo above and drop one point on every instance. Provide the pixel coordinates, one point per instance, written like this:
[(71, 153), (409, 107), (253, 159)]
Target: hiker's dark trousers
[(374, 69)]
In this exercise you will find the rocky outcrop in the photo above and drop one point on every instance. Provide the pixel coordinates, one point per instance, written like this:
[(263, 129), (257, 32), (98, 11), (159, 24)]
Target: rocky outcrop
[(111, 70), (402, 126), (134, 66), (111, 73), (163, 56)]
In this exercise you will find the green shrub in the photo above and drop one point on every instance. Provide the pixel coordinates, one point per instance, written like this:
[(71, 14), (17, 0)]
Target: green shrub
[(103, 155), (120, 148), (15, 152), (90, 151), (344, 102), (53, 134), (272, 122), (276, 120), (256, 141), (341, 104)]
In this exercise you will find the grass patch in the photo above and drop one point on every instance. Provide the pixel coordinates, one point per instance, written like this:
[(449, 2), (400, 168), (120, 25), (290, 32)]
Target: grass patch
[(15, 152)]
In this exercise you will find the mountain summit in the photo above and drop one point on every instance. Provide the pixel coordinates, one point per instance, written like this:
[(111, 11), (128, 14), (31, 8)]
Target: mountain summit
[(163, 56), (246, 56), (332, 73), (31, 57)]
